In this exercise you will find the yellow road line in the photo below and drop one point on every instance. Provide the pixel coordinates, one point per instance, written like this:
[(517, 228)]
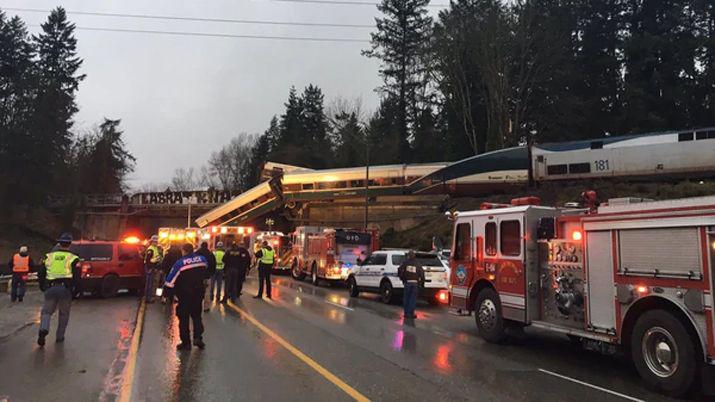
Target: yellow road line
[(125, 393), (302, 356)]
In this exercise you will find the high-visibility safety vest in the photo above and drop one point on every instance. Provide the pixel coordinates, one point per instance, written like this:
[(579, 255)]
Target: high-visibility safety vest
[(20, 263), (219, 259), (59, 265), (267, 256), (155, 254)]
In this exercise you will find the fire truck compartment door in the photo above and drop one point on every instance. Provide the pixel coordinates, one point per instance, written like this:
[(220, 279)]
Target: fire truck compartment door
[(601, 299)]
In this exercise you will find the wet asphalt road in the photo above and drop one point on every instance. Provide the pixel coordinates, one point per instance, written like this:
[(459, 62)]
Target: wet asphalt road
[(360, 341)]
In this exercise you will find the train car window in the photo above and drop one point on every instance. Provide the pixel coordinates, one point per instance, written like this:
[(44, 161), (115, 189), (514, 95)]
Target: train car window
[(596, 144), (540, 158), (556, 169), (711, 134), (510, 238), (490, 238), (685, 137), (463, 242), (307, 186), (580, 168), (701, 135)]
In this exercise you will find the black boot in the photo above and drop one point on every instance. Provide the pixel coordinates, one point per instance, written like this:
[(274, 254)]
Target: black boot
[(183, 346), (199, 343), (41, 337)]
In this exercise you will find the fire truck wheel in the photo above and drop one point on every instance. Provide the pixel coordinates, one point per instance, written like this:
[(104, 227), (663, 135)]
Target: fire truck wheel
[(353, 288), (487, 311), (387, 293), (664, 353), (295, 271), (314, 275), (110, 286)]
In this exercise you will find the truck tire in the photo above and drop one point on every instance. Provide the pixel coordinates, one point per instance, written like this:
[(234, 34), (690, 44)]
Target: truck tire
[(487, 313), (296, 272), (664, 353), (314, 275), (109, 286), (353, 287), (387, 293)]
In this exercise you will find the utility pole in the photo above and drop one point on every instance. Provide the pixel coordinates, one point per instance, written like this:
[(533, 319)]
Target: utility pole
[(367, 178)]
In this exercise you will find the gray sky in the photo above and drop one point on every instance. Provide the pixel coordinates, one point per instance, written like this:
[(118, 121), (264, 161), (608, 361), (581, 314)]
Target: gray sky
[(182, 97)]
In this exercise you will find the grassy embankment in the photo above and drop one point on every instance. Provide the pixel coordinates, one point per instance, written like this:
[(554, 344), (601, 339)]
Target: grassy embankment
[(553, 194)]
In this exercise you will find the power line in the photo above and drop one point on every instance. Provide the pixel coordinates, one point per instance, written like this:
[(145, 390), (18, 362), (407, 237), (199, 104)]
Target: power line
[(347, 2), (195, 19), (219, 35)]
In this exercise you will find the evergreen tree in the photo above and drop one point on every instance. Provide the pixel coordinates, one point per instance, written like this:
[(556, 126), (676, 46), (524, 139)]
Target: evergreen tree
[(350, 140), (58, 79), (401, 43), (315, 126), (16, 110), (261, 151), (103, 160), (384, 135), (429, 141)]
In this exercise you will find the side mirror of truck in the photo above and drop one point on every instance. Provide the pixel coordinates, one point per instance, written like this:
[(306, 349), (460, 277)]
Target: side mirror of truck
[(546, 229)]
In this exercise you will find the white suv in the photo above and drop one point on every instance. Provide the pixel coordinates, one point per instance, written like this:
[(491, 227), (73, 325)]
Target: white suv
[(378, 274)]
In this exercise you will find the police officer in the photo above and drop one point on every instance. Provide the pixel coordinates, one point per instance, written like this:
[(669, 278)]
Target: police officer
[(237, 261), (211, 261), (187, 278), (152, 268), (20, 265), (170, 257), (265, 257), (59, 276), (412, 275), (217, 278)]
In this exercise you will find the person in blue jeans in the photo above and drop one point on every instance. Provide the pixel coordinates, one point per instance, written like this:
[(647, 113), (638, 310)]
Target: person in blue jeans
[(412, 275)]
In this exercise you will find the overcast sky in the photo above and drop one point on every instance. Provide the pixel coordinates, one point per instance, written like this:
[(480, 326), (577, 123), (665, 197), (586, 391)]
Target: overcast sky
[(182, 97)]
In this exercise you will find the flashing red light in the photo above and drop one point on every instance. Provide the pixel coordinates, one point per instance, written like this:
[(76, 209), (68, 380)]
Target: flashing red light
[(132, 240), (275, 242), (642, 290), (576, 235), (214, 229), (491, 277), (249, 230), (224, 230), (443, 296)]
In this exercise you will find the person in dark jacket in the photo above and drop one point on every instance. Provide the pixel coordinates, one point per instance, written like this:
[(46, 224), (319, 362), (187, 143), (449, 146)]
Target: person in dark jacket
[(20, 265), (211, 260), (170, 257), (187, 278), (265, 257), (236, 261), (412, 275)]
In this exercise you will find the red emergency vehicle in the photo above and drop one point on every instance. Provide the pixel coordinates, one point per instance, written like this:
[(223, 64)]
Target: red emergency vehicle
[(631, 274), (329, 254), (280, 243)]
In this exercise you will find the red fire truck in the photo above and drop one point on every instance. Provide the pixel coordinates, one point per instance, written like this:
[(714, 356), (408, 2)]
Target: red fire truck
[(631, 275), (329, 254), (280, 243)]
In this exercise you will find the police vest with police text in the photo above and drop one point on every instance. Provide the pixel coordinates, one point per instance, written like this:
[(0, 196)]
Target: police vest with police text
[(267, 256), (20, 263), (59, 265)]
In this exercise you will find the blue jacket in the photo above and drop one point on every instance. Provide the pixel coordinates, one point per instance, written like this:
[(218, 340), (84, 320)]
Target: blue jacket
[(187, 274)]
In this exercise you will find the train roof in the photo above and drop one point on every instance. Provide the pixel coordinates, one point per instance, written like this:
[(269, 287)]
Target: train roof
[(501, 211), (617, 141)]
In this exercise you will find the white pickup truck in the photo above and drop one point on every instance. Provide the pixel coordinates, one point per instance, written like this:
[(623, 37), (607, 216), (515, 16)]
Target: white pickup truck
[(378, 274)]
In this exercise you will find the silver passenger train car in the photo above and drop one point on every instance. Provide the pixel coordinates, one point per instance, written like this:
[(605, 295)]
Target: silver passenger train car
[(685, 153)]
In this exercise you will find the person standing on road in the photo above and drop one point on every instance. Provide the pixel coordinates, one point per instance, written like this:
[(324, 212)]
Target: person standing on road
[(20, 265), (152, 264), (412, 275), (57, 279), (170, 257), (187, 278), (265, 257), (237, 261), (217, 278), (211, 260)]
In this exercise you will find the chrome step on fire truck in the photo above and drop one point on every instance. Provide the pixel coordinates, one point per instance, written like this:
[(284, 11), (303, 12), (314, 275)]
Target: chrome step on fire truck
[(631, 275)]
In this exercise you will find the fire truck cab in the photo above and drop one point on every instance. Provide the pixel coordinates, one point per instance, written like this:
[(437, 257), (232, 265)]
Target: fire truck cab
[(281, 244), (633, 273)]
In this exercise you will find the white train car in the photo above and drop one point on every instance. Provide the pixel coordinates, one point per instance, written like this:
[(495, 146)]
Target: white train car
[(685, 153)]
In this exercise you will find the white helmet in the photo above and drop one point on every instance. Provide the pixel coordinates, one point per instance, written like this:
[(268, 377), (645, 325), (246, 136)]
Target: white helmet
[(154, 239), (23, 249), (219, 244)]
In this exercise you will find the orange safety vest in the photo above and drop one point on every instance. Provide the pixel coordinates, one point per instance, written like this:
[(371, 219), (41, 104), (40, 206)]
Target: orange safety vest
[(20, 263)]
